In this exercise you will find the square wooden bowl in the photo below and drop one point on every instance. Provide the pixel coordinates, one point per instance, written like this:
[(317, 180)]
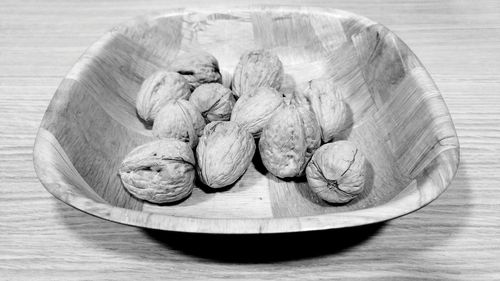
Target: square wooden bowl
[(398, 119)]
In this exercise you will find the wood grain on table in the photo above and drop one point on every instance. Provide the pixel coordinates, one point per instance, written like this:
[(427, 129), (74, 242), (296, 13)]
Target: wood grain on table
[(455, 237)]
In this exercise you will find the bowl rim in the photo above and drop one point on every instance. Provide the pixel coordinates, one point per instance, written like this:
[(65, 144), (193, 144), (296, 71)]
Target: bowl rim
[(421, 191)]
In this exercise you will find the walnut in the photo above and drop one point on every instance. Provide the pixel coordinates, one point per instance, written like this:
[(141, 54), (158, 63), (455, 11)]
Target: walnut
[(224, 153), (336, 172), (197, 68), (214, 101), (180, 120), (159, 89), (311, 126), (161, 171), (289, 139), (253, 110), (255, 69), (327, 104)]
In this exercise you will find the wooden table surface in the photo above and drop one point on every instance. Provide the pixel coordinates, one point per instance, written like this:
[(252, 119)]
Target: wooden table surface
[(455, 237)]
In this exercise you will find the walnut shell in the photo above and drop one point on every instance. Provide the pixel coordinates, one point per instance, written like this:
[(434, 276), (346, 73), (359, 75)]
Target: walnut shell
[(336, 172), (214, 101), (255, 69), (311, 127), (179, 120), (224, 153), (329, 108), (252, 111), (161, 171), (197, 68), (159, 89), (289, 139)]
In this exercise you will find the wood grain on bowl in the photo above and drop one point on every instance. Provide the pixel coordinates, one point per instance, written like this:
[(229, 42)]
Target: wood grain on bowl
[(396, 113)]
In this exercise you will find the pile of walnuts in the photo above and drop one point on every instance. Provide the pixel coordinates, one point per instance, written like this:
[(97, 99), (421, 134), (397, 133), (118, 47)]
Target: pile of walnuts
[(208, 131)]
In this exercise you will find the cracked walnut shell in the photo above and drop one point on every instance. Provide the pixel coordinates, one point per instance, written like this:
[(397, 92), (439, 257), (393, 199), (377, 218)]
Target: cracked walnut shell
[(336, 172), (214, 101), (197, 68), (159, 89), (289, 139), (161, 171), (179, 120), (253, 111), (224, 153), (328, 106), (256, 69)]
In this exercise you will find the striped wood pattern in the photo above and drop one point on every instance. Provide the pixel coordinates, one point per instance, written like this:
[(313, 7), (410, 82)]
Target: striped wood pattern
[(454, 238), (398, 119)]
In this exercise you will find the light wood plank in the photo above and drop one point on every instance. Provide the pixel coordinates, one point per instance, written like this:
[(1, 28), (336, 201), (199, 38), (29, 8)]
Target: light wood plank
[(455, 237)]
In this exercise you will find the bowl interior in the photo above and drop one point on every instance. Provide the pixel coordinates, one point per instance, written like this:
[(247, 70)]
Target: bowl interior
[(397, 115)]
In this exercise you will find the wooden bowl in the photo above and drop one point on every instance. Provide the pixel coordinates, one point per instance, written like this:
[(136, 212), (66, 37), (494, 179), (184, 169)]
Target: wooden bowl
[(398, 119)]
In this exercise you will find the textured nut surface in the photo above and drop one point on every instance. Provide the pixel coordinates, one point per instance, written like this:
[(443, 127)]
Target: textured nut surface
[(197, 68), (336, 172), (159, 89), (179, 120), (224, 153), (253, 110), (312, 128), (214, 101), (161, 171), (289, 139), (328, 106), (256, 69)]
